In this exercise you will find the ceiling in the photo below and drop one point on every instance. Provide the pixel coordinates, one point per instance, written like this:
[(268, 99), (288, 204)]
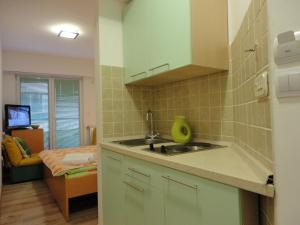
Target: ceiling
[(30, 26)]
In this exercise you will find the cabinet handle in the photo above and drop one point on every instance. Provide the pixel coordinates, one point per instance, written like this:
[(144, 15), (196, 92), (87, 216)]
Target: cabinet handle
[(179, 182), (138, 74), (166, 64), (115, 159), (133, 186), (138, 172)]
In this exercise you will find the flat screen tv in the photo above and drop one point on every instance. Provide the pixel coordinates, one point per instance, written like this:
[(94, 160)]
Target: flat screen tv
[(17, 116)]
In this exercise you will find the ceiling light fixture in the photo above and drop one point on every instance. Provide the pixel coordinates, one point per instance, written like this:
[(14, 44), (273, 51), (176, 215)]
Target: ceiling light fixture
[(68, 34)]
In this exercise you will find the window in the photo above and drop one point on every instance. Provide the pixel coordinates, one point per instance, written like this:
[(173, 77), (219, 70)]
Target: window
[(35, 92), (67, 113), (55, 106)]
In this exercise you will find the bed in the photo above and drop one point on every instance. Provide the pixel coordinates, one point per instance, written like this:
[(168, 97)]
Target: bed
[(68, 181)]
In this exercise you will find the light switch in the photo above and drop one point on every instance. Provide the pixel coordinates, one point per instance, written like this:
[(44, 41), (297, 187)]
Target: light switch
[(288, 82), (261, 85)]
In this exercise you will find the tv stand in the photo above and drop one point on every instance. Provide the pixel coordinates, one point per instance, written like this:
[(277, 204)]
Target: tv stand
[(33, 137)]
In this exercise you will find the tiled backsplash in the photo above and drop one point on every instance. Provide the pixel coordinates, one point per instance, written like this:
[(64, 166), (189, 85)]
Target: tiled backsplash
[(205, 101), (123, 108), (252, 117)]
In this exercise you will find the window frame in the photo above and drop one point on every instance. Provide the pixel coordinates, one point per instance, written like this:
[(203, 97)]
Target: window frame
[(52, 100)]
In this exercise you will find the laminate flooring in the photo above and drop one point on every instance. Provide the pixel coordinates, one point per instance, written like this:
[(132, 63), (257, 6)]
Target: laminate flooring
[(31, 203)]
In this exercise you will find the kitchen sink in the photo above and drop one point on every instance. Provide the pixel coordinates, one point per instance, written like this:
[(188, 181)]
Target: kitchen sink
[(142, 141), (180, 149)]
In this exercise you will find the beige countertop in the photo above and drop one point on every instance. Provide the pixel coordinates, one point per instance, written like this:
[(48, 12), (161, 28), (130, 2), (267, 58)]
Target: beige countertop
[(224, 165)]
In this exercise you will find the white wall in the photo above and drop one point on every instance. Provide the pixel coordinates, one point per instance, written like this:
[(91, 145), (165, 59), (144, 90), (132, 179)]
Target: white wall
[(110, 52), (236, 12), (30, 63), (284, 16), (46, 64), (111, 33), (89, 106)]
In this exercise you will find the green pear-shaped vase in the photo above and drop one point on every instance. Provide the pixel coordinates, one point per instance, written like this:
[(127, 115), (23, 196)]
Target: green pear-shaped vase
[(181, 131)]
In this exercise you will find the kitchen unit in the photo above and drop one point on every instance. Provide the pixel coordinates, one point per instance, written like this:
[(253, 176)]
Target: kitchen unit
[(166, 41), (187, 188), (219, 107)]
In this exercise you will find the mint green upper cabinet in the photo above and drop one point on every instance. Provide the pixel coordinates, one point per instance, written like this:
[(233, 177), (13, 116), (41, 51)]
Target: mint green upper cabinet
[(170, 32), (192, 200), (112, 187), (136, 38), (166, 41)]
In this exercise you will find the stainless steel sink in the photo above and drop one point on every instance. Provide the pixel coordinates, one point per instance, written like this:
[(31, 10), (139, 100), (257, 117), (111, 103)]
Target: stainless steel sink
[(142, 141), (180, 149)]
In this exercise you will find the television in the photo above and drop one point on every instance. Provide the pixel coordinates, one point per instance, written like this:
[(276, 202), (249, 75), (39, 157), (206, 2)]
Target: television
[(17, 116)]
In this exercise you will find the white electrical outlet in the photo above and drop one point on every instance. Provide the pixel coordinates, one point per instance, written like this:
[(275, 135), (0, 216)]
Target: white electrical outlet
[(261, 86)]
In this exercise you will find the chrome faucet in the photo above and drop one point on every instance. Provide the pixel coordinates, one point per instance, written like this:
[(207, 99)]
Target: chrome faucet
[(151, 135)]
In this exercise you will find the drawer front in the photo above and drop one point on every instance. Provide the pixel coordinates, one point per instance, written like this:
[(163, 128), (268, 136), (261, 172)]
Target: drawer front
[(111, 156), (144, 172)]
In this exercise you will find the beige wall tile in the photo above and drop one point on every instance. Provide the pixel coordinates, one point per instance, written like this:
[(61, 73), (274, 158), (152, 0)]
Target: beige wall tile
[(105, 71), (122, 107), (227, 129), (107, 129), (204, 101), (106, 94), (252, 118), (107, 105)]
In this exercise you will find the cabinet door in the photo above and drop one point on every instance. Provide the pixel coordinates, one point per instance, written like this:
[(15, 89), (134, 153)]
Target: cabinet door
[(181, 198), (136, 38), (192, 200), (142, 203), (143, 193), (112, 188), (220, 204), (170, 32)]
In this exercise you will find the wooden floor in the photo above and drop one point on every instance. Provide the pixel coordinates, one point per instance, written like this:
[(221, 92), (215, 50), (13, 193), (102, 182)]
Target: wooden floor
[(30, 203)]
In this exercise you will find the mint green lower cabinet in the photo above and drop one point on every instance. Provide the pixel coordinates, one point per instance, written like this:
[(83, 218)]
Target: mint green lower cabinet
[(112, 187), (142, 203), (181, 203), (134, 204), (191, 200), (136, 192)]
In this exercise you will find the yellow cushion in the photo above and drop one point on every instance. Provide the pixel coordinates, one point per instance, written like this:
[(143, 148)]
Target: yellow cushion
[(13, 151), (33, 160)]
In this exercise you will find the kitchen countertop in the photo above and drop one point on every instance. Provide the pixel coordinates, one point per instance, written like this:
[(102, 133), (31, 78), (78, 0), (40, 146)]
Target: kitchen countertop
[(225, 165)]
